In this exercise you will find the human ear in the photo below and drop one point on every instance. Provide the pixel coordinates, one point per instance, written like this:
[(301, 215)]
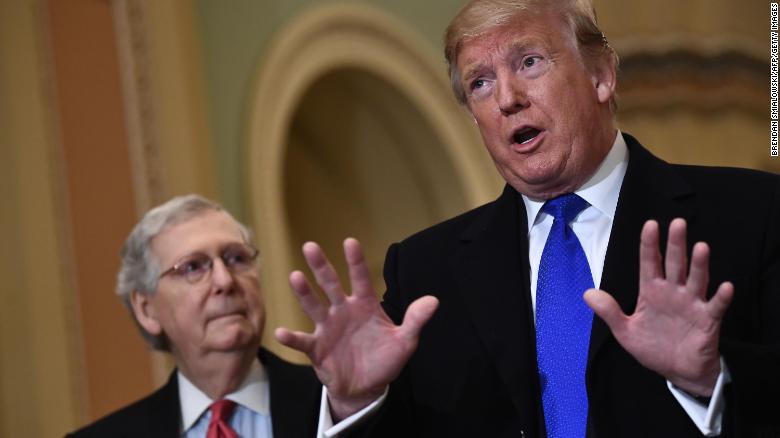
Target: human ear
[(145, 312), (605, 77)]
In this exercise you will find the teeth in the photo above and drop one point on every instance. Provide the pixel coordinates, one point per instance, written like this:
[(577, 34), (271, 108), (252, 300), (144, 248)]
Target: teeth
[(525, 136)]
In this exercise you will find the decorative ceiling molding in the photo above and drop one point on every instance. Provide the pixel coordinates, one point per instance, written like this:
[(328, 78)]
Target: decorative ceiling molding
[(140, 118), (693, 74), (169, 150), (701, 44)]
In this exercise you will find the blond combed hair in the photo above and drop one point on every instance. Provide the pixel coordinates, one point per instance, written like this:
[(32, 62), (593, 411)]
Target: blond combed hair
[(478, 17)]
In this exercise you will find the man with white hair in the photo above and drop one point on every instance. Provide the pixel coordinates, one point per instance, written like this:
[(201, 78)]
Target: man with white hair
[(189, 278), (551, 311)]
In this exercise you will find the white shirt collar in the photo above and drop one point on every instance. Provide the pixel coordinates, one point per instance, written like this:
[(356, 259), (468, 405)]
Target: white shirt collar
[(252, 394), (601, 190)]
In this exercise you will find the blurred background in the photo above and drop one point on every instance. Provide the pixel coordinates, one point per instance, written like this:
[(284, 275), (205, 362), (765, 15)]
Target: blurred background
[(308, 120)]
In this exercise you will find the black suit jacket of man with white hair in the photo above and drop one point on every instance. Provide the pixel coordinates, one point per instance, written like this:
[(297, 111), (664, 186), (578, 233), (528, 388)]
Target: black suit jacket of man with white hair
[(294, 395)]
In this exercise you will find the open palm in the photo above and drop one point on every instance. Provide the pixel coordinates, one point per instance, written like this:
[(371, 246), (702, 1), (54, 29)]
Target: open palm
[(356, 350), (674, 329)]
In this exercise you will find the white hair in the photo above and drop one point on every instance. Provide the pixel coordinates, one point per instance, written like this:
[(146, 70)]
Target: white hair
[(140, 270)]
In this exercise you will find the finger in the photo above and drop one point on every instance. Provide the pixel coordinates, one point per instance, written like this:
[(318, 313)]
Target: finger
[(303, 342), (359, 275), (417, 315), (606, 308), (649, 254), (700, 270), (676, 253), (310, 303), (323, 272), (721, 300)]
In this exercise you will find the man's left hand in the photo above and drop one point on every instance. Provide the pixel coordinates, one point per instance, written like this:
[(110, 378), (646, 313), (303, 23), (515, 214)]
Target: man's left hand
[(674, 328)]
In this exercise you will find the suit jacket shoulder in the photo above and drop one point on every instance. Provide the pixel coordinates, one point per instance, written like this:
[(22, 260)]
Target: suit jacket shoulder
[(156, 415)]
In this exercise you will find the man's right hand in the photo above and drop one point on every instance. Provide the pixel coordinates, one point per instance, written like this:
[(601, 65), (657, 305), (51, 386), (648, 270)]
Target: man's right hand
[(356, 350)]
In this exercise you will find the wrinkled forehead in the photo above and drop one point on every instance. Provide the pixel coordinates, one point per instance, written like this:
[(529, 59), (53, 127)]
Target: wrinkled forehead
[(547, 29), (205, 231)]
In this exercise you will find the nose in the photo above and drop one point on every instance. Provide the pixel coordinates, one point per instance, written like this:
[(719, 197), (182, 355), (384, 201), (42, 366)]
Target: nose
[(510, 94), (221, 277)]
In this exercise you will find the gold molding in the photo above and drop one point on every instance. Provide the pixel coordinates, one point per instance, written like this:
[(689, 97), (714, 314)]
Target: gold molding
[(42, 390), (313, 44), (168, 135), (164, 100), (133, 49), (64, 228), (704, 45), (691, 72)]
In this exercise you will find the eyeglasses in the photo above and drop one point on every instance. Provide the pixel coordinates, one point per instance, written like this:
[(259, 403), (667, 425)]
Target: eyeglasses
[(198, 266)]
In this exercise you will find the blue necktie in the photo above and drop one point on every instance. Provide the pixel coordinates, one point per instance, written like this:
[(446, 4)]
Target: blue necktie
[(563, 322)]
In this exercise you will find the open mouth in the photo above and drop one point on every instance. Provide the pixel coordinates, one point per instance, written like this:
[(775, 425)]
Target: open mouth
[(525, 135)]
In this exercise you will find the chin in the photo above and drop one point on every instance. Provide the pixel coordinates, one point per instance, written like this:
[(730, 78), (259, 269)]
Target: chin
[(543, 182), (541, 190), (236, 345), (236, 338)]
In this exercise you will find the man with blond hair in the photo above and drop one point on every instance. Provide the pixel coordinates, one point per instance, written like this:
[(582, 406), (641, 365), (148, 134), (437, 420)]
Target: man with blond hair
[(551, 310)]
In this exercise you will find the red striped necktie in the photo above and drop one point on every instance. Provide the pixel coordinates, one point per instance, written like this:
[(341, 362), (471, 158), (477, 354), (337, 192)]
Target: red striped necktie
[(220, 415)]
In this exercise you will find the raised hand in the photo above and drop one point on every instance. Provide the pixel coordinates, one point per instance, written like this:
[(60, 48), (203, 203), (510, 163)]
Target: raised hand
[(674, 328), (356, 350)]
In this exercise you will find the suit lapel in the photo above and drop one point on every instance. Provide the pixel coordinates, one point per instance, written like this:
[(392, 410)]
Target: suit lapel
[(651, 190), (164, 415), (294, 394), (282, 420), (491, 270)]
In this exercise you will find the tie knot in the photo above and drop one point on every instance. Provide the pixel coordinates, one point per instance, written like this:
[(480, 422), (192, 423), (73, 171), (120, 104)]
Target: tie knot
[(221, 410), (565, 207)]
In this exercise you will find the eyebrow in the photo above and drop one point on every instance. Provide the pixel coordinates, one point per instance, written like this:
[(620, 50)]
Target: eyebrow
[(221, 249), (526, 44), (514, 47), (473, 71)]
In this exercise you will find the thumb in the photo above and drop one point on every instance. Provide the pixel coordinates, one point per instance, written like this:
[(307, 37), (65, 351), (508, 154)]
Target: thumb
[(605, 306), (417, 315), (303, 342)]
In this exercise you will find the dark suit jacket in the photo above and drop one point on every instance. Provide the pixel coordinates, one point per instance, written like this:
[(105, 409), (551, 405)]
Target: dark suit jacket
[(475, 373), (295, 397)]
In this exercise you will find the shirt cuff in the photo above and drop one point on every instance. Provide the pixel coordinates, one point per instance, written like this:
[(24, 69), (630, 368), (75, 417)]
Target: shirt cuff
[(708, 418), (326, 428)]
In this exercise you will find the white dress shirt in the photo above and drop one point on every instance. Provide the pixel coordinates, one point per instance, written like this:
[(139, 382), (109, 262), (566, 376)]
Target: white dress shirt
[(592, 227), (326, 428), (251, 417)]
